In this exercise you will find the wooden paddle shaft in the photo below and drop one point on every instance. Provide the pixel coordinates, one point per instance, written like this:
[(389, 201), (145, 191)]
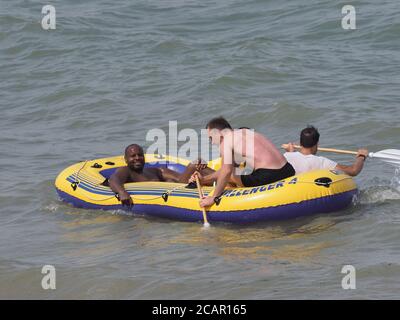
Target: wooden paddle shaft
[(284, 146), (201, 197)]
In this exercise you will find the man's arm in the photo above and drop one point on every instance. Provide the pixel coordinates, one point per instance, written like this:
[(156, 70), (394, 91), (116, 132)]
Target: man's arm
[(357, 166), (223, 175), (208, 180), (166, 174), (289, 147), (116, 182)]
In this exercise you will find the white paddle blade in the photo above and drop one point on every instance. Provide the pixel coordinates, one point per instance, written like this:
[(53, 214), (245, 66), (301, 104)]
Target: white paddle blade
[(391, 156)]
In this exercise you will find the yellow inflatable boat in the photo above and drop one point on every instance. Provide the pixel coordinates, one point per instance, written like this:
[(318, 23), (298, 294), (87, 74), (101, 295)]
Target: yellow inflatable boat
[(311, 193)]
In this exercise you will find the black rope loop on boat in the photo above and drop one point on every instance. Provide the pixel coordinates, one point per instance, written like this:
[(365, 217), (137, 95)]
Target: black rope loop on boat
[(74, 185), (324, 182), (217, 200), (192, 185), (165, 196)]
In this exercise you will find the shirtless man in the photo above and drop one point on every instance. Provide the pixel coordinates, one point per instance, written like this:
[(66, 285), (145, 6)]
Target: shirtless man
[(266, 161), (306, 159), (135, 172)]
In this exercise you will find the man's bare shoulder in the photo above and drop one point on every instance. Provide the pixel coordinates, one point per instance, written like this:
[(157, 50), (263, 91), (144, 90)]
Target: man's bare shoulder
[(122, 170), (123, 174), (157, 171), (153, 170)]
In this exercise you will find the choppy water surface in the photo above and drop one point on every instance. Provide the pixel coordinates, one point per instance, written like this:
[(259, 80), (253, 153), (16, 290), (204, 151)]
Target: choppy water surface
[(113, 70)]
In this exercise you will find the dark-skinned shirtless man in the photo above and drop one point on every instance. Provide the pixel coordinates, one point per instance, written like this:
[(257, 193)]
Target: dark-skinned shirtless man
[(134, 171)]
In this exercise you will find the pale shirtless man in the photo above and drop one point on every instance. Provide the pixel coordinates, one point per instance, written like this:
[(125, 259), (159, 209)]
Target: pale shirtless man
[(266, 161), (134, 171)]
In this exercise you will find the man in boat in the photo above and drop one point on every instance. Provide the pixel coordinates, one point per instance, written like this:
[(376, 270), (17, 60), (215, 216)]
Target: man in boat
[(306, 160), (134, 171), (265, 161)]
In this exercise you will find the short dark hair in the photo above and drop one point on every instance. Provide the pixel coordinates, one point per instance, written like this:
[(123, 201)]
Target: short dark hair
[(219, 123), (133, 145), (309, 137)]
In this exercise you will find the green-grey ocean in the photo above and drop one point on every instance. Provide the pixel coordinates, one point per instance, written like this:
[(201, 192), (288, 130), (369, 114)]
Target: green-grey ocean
[(112, 70)]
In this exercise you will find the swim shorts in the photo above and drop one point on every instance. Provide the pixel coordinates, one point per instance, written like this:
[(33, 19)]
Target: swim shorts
[(262, 176)]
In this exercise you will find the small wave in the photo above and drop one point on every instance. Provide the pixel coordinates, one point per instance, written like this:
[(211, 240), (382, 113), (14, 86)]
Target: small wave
[(388, 33), (229, 81), (378, 194), (120, 212), (170, 46), (174, 4), (395, 182), (52, 207)]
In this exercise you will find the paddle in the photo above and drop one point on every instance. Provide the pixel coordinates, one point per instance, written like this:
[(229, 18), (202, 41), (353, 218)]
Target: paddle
[(391, 156), (206, 224)]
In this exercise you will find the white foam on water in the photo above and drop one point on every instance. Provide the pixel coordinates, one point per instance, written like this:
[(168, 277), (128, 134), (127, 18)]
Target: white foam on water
[(53, 207), (378, 195), (382, 193), (120, 212), (395, 182)]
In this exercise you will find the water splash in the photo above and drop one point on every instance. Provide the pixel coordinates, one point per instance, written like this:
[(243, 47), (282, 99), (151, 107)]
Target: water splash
[(378, 195), (382, 192), (395, 182), (52, 207), (121, 212)]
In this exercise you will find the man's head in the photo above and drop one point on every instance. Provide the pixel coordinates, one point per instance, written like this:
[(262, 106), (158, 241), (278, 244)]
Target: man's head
[(134, 157), (309, 138), (215, 127)]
